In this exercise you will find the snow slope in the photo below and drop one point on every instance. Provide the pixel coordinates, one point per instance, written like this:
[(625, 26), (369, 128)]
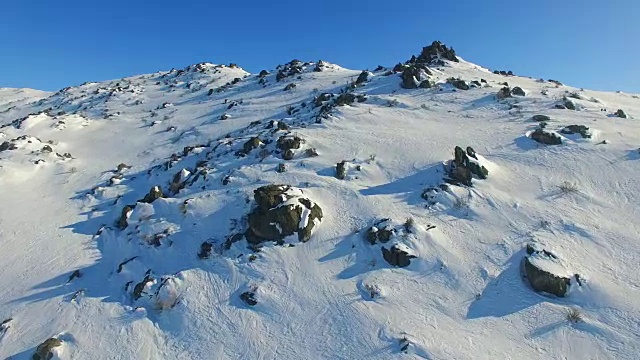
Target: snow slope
[(461, 298)]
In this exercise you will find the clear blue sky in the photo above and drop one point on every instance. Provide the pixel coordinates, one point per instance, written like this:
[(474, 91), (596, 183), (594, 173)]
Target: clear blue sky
[(48, 44)]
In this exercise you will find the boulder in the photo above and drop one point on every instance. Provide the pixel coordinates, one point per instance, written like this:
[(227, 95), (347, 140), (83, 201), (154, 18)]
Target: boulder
[(435, 52), (620, 113), (381, 232), (545, 137), (414, 74), (287, 142), (362, 78), (396, 256), (249, 298), (263, 73), (341, 170), (289, 87), (517, 91), (322, 98), (540, 118), (569, 104), (464, 166), (281, 211), (503, 93), (251, 144), (577, 129), (545, 273), (154, 194), (345, 99), (124, 216), (458, 84), (205, 250), (44, 351)]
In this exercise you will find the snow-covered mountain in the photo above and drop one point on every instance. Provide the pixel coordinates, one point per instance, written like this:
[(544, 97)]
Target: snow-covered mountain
[(427, 210)]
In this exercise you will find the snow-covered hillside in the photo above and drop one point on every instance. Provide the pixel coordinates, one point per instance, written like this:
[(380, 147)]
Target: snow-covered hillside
[(138, 220)]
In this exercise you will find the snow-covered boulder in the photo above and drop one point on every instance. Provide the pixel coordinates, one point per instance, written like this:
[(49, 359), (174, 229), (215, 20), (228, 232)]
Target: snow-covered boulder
[(282, 211), (45, 351), (545, 272)]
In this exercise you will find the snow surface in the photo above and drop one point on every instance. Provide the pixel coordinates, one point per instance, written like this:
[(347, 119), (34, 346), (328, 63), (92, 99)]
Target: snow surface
[(462, 298)]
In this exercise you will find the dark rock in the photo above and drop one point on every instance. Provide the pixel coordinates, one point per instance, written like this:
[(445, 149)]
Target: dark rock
[(620, 113), (271, 220), (282, 126), (436, 51), (569, 104), (545, 137), (290, 87), (476, 83), (517, 91), (288, 154), (74, 275), (124, 216), (138, 290), (263, 73), (205, 250), (249, 298), (414, 74), (379, 234), (426, 84), (362, 78), (210, 92), (341, 170), (560, 106), (46, 149), (7, 146), (154, 194), (540, 118), (503, 93), (44, 351), (544, 281), (251, 144), (281, 168), (397, 257), (462, 169), (345, 99), (322, 98), (286, 142), (458, 83), (379, 68), (577, 129), (311, 152)]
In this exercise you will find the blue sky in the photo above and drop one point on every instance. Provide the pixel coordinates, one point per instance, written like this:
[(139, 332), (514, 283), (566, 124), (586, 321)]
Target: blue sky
[(52, 44)]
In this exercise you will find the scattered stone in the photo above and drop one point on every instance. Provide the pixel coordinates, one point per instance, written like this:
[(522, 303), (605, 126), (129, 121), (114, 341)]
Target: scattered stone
[(620, 113), (281, 168), (458, 83), (540, 118), (517, 91), (287, 142), (569, 104), (74, 275), (153, 194), (380, 233), (362, 78), (311, 152), (281, 211), (124, 216), (503, 93), (7, 146), (251, 144), (322, 98), (290, 87), (345, 99), (341, 170), (538, 268), (249, 297), (44, 351), (577, 129), (288, 155), (46, 149), (396, 256), (205, 250), (464, 166), (545, 137)]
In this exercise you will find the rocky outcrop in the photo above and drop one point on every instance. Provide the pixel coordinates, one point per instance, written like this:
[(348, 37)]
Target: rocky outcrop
[(545, 137), (503, 93), (44, 351), (154, 194), (518, 91), (458, 83), (620, 113), (249, 298), (464, 166), (397, 256), (435, 53), (577, 129), (540, 118), (545, 273), (381, 232), (413, 75), (281, 211)]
